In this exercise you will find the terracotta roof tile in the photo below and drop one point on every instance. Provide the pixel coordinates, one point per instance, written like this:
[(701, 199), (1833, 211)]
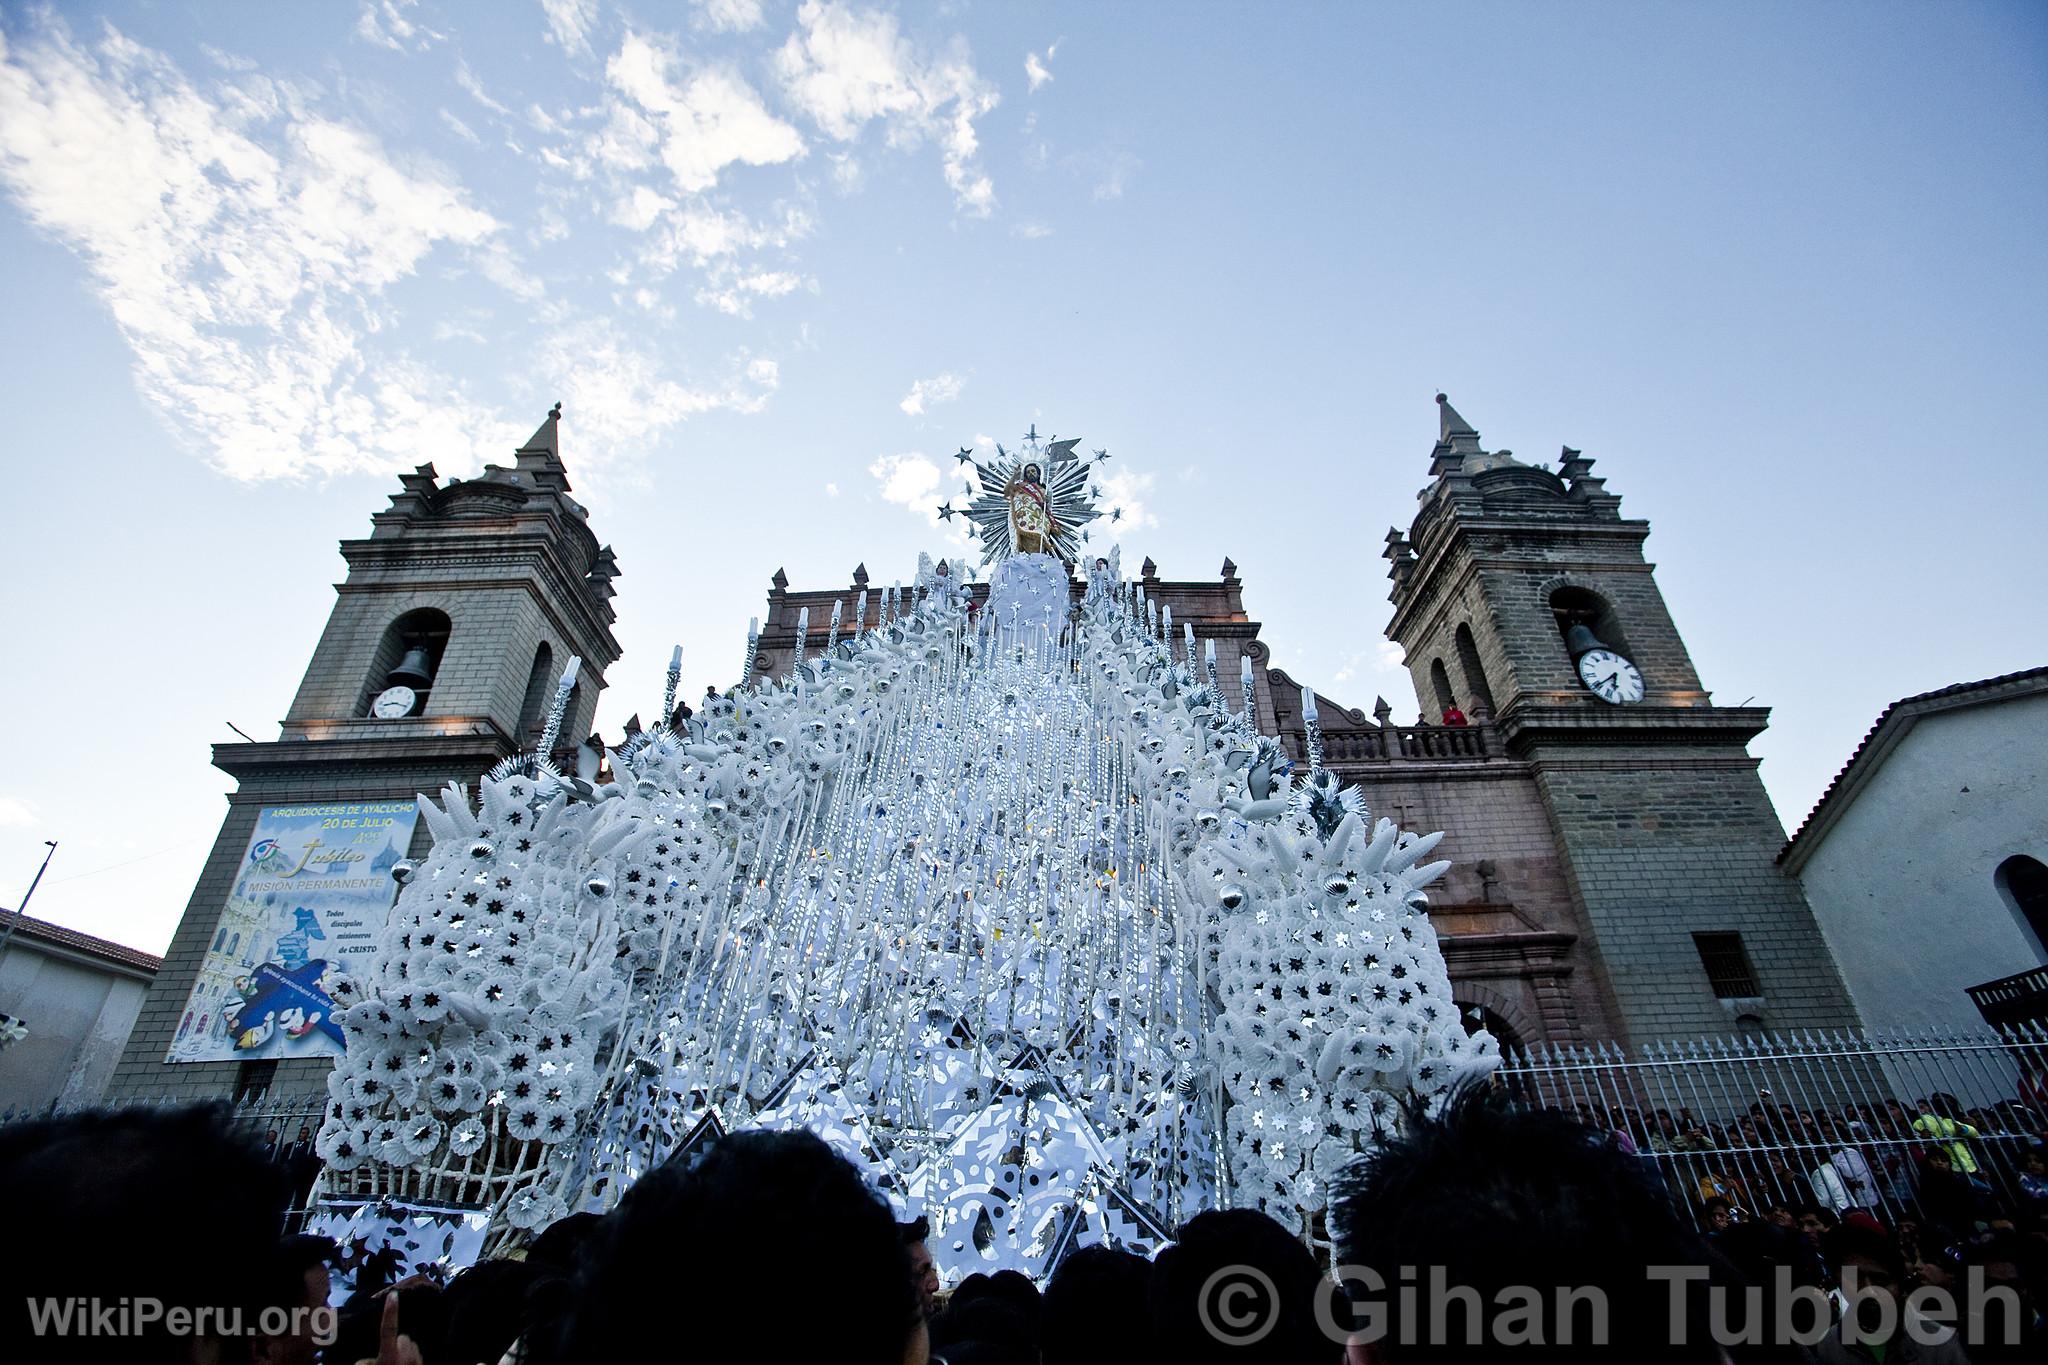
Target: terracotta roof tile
[(28, 927)]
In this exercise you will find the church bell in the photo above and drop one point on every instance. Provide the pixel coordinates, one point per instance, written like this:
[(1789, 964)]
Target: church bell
[(1580, 639), (412, 669)]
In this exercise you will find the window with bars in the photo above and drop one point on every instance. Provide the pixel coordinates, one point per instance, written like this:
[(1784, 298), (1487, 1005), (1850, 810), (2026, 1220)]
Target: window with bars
[(1728, 969)]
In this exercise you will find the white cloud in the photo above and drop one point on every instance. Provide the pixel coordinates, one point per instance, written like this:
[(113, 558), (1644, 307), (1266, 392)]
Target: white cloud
[(1035, 70), (701, 236), (726, 16), (384, 23), (641, 209), (733, 292), (243, 245), (18, 812), (943, 388), (847, 67), (1383, 661), (910, 480), (697, 123), (831, 490), (1125, 489), (1112, 172), (461, 129), (569, 24), (617, 398), (1031, 232), (466, 78)]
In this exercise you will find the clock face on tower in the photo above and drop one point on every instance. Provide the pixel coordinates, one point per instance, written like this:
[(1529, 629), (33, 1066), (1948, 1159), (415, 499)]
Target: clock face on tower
[(394, 702), (1610, 677)]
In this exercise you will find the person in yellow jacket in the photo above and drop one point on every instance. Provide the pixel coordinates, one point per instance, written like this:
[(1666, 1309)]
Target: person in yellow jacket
[(1948, 1131)]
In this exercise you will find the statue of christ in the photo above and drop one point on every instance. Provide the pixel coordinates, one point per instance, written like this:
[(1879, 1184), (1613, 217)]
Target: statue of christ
[(1031, 524)]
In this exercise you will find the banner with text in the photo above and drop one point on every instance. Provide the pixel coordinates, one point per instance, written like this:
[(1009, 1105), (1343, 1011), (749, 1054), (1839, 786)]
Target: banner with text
[(309, 900)]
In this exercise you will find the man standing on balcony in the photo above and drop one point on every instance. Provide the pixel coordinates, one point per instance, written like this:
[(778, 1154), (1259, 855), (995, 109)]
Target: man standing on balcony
[(1453, 716)]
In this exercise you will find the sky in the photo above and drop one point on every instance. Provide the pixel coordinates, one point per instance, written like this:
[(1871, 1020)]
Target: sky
[(1779, 270)]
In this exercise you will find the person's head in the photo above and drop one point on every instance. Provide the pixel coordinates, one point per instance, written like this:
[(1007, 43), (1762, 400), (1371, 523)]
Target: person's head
[(1494, 1198), (561, 1242), (1780, 1215), (1939, 1161), (305, 1260), (717, 1238), (923, 1273), (1095, 1308), (1716, 1214), (486, 1308), (174, 1205), (1868, 1263), (1234, 1265), (1815, 1221)]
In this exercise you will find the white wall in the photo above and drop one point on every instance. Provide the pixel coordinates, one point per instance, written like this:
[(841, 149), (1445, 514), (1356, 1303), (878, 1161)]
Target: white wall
[(78, 1015), (1902, 884)]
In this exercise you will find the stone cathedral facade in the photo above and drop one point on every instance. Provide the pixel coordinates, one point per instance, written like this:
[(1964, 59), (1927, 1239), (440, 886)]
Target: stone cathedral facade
[(1611, 840)]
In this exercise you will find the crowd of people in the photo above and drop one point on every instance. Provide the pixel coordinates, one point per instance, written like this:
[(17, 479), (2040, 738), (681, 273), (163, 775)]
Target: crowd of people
[(769, 1246), (1939, 1167)]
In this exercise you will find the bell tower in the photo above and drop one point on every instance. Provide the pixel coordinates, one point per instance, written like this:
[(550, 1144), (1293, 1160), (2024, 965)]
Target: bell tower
[(1521, 596), (458, 614)]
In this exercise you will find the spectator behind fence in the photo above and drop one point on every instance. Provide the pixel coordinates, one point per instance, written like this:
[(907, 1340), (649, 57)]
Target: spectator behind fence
[(1868, 1256), (1201, 1294), (1499, 1197), (1095, 1308), (173, 1205), (765, 1245)]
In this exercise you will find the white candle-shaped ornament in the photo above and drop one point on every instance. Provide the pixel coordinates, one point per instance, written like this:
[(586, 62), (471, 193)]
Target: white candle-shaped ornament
[(1244, 682), (753, 647), (832, 635), (1312, 727), (675, 677), (553, 729), (1209, 663), (1187, 631), (860, 613), (1166, 628), (803, 631)]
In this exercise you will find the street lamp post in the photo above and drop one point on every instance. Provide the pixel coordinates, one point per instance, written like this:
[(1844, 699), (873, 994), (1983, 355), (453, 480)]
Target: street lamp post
[(7, 933)]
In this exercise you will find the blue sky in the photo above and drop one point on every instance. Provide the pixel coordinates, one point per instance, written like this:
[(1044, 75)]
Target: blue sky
[(1778, 269)]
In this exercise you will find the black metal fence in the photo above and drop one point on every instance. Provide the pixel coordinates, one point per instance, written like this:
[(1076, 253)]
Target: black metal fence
[(1933, 1129)]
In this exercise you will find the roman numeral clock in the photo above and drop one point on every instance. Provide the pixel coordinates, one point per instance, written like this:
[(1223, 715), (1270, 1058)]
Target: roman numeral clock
[(1606, 673)]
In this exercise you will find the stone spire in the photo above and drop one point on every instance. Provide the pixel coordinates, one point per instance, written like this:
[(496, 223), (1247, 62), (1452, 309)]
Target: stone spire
[(1456, 441), (541, 456)]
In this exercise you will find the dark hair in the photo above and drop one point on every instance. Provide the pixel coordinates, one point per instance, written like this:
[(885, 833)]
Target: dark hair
[(561, 1242), (709, 1244), (1845, 1240), (1219, 1242), (985, 1327), (1498, 1197), (299, 1253), (914, 1231), (486, 1309), (170, 1204), (1095, 1308)]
